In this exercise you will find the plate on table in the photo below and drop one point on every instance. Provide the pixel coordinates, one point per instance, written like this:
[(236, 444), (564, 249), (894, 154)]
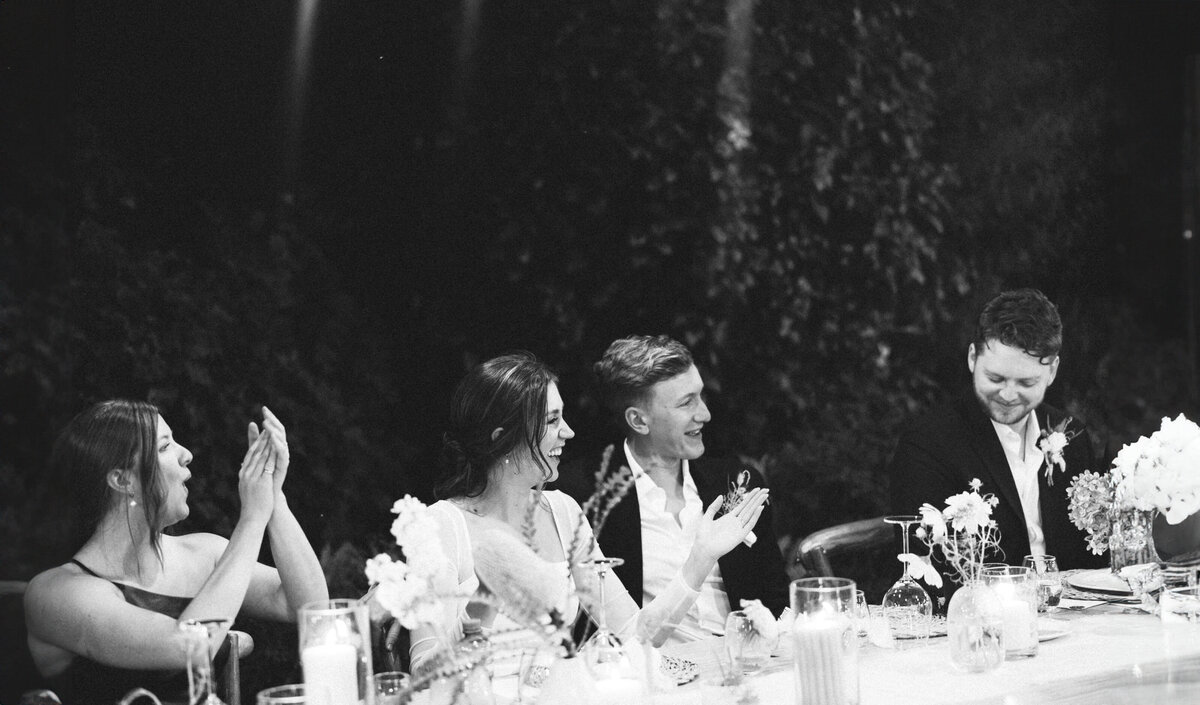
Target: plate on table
[(1099, 580), (1049, 629)]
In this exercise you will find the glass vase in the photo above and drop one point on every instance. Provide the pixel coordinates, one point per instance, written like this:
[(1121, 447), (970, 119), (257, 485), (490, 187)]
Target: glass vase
[(1131, 541), (975, 624), (824, 641)]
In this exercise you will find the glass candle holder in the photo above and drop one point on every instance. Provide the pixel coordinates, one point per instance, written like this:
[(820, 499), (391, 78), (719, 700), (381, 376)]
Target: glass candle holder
[(1016, 589), (335, 652), (825, 644)]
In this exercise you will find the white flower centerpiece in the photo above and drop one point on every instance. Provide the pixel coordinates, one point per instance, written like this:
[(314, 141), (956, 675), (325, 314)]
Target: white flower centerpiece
[(1155, 475), (964, 536)]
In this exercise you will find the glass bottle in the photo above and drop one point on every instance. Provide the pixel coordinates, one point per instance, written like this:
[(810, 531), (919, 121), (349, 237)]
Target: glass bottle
[(474, 648)]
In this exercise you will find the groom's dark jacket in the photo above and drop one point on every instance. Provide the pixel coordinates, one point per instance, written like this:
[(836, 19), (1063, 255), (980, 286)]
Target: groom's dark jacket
[(940, 453), (755, 572)]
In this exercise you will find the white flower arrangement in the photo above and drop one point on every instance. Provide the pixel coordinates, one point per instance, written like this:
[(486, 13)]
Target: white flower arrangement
[(413, 589), (1160, 473), (964, 532)]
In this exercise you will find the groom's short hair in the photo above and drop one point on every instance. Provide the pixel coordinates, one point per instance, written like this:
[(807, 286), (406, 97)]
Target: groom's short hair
[(632, 365), (1024, 319)]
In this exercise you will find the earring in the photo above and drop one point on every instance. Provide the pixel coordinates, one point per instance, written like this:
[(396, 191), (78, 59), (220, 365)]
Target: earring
[(506, 459), (133, 503)]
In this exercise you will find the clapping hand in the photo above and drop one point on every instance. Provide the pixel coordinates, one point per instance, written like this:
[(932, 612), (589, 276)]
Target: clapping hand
[(278, 437), (716, 537)]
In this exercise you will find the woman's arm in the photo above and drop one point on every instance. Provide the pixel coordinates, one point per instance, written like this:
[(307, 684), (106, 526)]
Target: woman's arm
[(297, 579), (88, 616)]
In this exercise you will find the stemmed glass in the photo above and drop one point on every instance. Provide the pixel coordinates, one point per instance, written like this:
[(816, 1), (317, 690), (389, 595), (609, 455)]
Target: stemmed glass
[(603, 654), (906, 605)]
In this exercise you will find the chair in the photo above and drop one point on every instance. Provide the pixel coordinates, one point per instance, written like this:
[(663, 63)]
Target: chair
[(810, 556), (19, 676)]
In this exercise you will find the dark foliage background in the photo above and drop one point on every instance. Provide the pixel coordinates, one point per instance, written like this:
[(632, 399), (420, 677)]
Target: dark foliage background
[(816, 197)]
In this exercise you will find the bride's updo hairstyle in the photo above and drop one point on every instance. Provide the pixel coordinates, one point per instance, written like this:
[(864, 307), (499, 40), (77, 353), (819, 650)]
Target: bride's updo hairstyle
[(506, 392), (111, 435)]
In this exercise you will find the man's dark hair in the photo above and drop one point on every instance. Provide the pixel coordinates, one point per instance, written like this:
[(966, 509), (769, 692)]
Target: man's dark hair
[(1024, 319), (632, 365)]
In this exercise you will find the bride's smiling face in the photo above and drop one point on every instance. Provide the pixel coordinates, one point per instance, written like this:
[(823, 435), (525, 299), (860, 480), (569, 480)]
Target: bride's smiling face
[(556, 433)]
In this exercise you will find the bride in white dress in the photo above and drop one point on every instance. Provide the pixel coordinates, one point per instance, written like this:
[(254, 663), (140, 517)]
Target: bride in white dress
[(506, 436)]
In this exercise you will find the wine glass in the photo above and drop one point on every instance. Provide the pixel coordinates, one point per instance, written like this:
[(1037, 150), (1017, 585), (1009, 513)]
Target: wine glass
[(603, 653), (906, 606), (1049, 581)]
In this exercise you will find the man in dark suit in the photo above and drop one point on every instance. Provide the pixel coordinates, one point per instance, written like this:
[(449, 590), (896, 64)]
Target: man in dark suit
[(996, 432), (653, 386)]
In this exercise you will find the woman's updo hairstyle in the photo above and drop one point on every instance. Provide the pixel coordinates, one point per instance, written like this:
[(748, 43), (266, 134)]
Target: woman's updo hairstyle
[(110, 435), (506, 392)]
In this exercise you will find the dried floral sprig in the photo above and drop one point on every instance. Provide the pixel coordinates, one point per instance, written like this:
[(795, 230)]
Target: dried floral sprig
[(610, 489)]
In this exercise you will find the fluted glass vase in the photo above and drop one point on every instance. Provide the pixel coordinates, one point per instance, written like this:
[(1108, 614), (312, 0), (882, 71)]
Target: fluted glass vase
[(1131, 541), (975, 625)]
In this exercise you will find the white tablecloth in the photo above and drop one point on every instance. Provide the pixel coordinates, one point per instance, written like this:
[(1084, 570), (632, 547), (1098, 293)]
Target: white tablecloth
[(1110, 655)]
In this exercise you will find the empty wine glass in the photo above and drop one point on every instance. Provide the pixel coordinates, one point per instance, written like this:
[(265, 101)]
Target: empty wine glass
[(603, 654), (906, 606)]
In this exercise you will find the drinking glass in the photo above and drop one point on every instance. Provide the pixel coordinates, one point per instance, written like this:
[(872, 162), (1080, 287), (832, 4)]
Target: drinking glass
[(824, 650), (603, 653), (293, 694), (906, 606), (202, 684), (1016, 588), (1180, 605), (748, 648), (1049, 581), (389, 685)]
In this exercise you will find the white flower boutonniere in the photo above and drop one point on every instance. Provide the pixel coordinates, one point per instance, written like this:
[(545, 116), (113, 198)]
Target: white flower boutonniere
[(1053, 441)]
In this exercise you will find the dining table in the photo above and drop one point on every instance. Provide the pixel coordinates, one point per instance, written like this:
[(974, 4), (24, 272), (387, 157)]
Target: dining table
[(1099, 652)]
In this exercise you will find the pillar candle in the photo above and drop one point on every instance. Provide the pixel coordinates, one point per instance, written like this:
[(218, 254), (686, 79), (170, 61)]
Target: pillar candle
[(824, 667), (334, 667)]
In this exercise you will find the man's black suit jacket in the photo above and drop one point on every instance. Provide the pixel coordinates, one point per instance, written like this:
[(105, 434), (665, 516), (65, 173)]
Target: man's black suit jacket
[(939, 454), (755, 572)]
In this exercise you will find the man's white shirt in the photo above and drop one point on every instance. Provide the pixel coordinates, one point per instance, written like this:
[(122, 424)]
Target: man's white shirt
[(1025, 475), (665, 547)]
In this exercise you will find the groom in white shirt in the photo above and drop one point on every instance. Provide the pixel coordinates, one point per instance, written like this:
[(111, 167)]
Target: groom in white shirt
[(652, 386)]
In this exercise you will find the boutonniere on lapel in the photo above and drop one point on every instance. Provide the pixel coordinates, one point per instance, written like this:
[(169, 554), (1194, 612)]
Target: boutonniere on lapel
[(1053, 441), (734, 497)]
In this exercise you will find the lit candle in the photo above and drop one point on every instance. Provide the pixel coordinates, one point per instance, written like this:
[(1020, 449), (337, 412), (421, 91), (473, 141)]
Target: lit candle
[(1020, 626), (333, 667), (823, 663)]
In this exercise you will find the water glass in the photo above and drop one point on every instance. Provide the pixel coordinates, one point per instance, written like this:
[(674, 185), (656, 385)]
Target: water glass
[(389, 685), (824, 646), (293, 694), (335, 650), (1049, 581), (748, 649), (1016, 588), (1180, 605)]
